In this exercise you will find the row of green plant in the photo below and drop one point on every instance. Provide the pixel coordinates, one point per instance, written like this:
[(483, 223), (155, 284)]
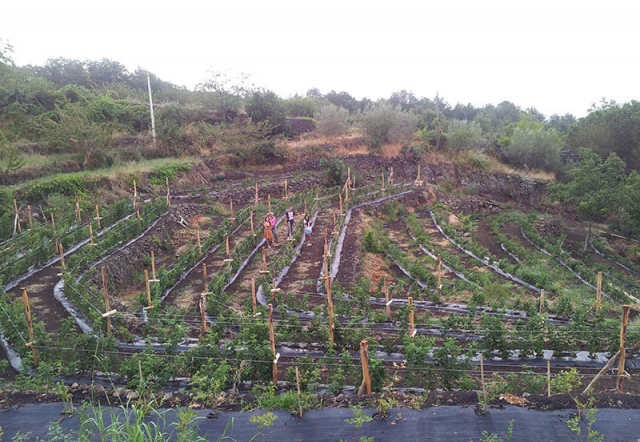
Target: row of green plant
[(38, 245)]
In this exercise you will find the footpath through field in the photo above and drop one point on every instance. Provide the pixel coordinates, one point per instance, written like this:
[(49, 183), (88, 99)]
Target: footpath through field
[(442, 424)]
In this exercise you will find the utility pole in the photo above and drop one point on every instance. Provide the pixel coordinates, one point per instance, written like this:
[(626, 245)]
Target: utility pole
[(153, 121)]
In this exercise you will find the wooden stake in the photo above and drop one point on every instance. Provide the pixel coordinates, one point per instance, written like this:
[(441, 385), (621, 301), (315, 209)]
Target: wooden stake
[(390, 180), (366, 376), (274, 290), (286, 191), (135, 196), (27, 312), (98, 218), (228, 250), (269, 202), (257, 199), (166, 183), (91, 233), (205, 285), (264, 269), (317, 197), (148, 287), (484, 388), (198, 240), (599, 293), (232, 217), (412, 326), (30, 219), (272, 339), (386, 298), (340, 203), (419, 181), (548, 378), (254, 300), (203, 314), (383, 189), (346, 191), (106, 299), (17, 219), (622, 374), (439, 279), (253, 230), (541, 301), (305, 206), (78, 218), (61, 251), (153, 268), (53, 225), (330, 303), (299, 394)]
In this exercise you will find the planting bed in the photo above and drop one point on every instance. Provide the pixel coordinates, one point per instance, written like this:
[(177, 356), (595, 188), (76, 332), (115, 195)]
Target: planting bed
[(198, 320)]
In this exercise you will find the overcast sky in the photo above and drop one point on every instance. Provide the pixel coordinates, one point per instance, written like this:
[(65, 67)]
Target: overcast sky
[(558, 56)]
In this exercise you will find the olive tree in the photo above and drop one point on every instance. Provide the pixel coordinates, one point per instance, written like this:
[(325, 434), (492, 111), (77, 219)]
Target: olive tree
[(332, 120), (464, 135), (383, 123), (533, 148)]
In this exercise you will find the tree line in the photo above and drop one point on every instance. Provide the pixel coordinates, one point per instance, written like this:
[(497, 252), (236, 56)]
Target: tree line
[(98, 112)]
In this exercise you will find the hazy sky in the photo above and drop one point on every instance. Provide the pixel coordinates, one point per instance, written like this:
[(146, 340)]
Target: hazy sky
[(558, 56)]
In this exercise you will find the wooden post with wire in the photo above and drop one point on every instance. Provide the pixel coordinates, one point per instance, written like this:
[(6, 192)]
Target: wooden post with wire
[(153, 268), (332, 327), (366, 375), (16, 223), (148, 287), (599, 293), (166, 183), (53, 225), (29, 217), (27, 312), (98, 217), (412, 325), (272, 340), (228, 250), (107, 312), (203, 314), (254, 300), (622, 373), (542, 301)]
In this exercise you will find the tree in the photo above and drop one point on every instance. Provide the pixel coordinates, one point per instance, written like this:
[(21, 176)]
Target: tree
[(383, 123), (301, 107), (533, 148), (595, 186), (462, 135), (227, 93), (332, 120), (266, 107), (10, 158)]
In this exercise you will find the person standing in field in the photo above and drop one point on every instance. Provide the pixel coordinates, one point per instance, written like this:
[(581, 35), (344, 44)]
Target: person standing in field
[(268, 233), (290, 215), (308, 230), (274, 227)]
